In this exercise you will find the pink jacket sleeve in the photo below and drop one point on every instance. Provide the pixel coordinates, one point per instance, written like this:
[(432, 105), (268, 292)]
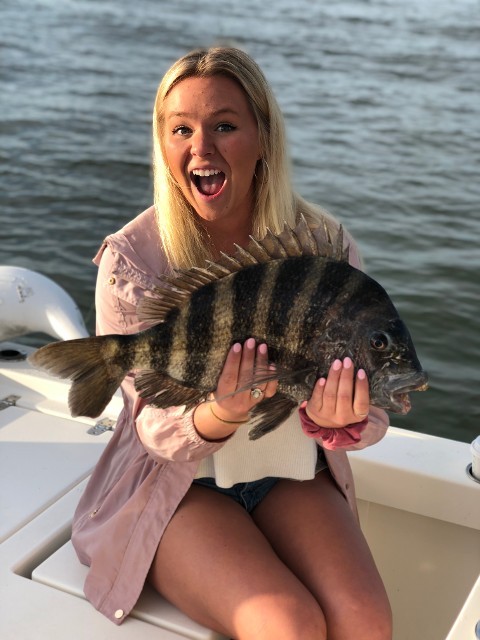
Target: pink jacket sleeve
[(166, 434)]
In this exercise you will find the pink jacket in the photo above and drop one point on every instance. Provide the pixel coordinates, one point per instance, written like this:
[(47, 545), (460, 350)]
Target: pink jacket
[(153, 455)]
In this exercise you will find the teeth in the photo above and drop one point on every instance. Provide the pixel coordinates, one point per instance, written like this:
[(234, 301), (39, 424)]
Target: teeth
[(206, 172)]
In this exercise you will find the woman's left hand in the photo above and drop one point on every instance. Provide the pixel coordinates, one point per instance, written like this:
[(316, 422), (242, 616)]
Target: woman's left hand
[(341, 399)]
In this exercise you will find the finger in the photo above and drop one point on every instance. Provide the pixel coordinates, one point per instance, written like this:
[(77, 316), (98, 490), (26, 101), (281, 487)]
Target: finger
[(315, 402), (329, 398), (261, 364), (260, 368), (316, 399), (361, 402), (263, 368), (345, 387), (247, 363), (228, 379), (272, 385)]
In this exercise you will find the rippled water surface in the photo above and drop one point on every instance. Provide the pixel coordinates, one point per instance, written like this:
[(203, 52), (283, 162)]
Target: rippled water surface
[(383, 114)]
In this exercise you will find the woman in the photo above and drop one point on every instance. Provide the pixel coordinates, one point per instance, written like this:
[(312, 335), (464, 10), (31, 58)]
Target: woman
[(256, 539)]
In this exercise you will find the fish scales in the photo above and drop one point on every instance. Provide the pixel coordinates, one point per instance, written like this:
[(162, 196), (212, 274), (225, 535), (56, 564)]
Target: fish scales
[(338, 287), (299, 287), (315, 316), (342, 287), (145, 353), (333, 287), (288, 283), (247, 291), (295, 292), (200, 321), (220, 330), (298, 333), (177, 360), (326, 289), (151, 349), (264, 299)]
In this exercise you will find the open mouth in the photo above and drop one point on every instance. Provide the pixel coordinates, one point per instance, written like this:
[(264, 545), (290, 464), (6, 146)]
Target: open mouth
[(209, 182), (395, 394), (400, 403)]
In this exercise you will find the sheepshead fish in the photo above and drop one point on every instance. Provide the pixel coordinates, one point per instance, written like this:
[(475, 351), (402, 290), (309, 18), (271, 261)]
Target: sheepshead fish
[(295, 291)]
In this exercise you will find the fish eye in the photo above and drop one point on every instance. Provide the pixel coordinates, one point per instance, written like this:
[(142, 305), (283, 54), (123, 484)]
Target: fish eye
[(379, 341)]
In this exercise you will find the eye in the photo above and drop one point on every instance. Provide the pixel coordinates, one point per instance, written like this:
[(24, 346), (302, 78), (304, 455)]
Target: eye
[(379, 341), (181, 130), (225, 127)]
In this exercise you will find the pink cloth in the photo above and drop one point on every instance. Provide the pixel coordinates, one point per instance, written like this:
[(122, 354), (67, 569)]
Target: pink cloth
[(333, 439), (152, 458)]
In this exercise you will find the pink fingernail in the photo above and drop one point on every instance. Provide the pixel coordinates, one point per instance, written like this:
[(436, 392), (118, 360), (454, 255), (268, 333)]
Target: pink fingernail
[(321, 382), (250, 343), (262, 349), (237, 347), (361, 375), (347, 363), (337, 365)]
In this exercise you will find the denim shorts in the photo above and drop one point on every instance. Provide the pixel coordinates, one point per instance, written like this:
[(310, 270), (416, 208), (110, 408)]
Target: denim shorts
[(247, 494)]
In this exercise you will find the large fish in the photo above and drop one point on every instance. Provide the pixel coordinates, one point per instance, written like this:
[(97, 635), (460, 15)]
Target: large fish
[(295, 291)]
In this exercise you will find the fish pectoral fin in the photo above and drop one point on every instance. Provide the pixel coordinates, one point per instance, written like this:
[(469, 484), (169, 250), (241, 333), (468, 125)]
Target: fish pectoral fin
[(269, 414), (287, 376), (163, 391)]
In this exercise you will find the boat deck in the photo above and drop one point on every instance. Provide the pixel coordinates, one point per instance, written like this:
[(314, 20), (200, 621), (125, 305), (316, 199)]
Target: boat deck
[(418, 507)]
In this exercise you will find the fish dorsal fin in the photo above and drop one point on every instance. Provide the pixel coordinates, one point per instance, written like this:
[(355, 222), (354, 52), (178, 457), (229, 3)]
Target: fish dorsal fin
[(330, 247), (304, 240)]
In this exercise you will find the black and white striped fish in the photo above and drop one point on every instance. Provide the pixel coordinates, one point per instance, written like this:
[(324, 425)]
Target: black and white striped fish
[(294, 291)]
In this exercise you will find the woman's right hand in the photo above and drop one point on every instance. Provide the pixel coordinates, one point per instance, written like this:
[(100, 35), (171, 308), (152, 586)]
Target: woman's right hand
[(228, 410)]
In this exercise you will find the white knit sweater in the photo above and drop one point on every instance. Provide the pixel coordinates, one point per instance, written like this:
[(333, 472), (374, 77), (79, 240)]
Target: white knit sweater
[(282, 453)]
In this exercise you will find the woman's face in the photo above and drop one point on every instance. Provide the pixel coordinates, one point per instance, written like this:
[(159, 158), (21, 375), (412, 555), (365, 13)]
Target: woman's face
[(211, 146)]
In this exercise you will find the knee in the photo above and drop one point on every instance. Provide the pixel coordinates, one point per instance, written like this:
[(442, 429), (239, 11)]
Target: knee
[(377, 619), (308, 622), (366, 619), (288, 619), (376, 625), (379, 622)]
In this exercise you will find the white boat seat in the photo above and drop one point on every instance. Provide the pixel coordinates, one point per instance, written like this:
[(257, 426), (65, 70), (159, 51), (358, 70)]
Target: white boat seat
[(63, 571), (41, 458)]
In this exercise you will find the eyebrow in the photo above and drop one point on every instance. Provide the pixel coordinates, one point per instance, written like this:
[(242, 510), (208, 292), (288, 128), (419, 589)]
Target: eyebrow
[(219, 112)]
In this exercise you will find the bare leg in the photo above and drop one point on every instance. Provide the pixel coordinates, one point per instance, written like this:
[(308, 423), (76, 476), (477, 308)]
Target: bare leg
[(295, 568), (218, 567), (313, 531)]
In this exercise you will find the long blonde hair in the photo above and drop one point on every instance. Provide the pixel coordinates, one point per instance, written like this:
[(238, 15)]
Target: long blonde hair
[(275, 201)]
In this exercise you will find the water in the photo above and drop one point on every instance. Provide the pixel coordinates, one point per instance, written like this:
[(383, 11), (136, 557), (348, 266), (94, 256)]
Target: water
[(383, 114)]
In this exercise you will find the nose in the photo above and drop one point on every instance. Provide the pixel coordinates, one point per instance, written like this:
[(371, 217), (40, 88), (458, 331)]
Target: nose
[(202, 143)]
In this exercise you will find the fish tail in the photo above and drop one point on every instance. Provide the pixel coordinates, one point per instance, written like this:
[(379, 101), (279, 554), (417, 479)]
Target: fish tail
[(95, 365)]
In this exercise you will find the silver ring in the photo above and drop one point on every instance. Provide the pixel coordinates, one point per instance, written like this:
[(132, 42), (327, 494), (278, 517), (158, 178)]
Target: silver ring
[(256, 393)]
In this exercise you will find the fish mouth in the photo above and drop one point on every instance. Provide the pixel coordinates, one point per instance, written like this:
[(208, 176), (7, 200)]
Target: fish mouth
[(394, 395)]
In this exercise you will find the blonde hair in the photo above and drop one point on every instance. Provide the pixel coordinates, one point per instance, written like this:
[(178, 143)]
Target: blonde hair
[(275, 201)]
